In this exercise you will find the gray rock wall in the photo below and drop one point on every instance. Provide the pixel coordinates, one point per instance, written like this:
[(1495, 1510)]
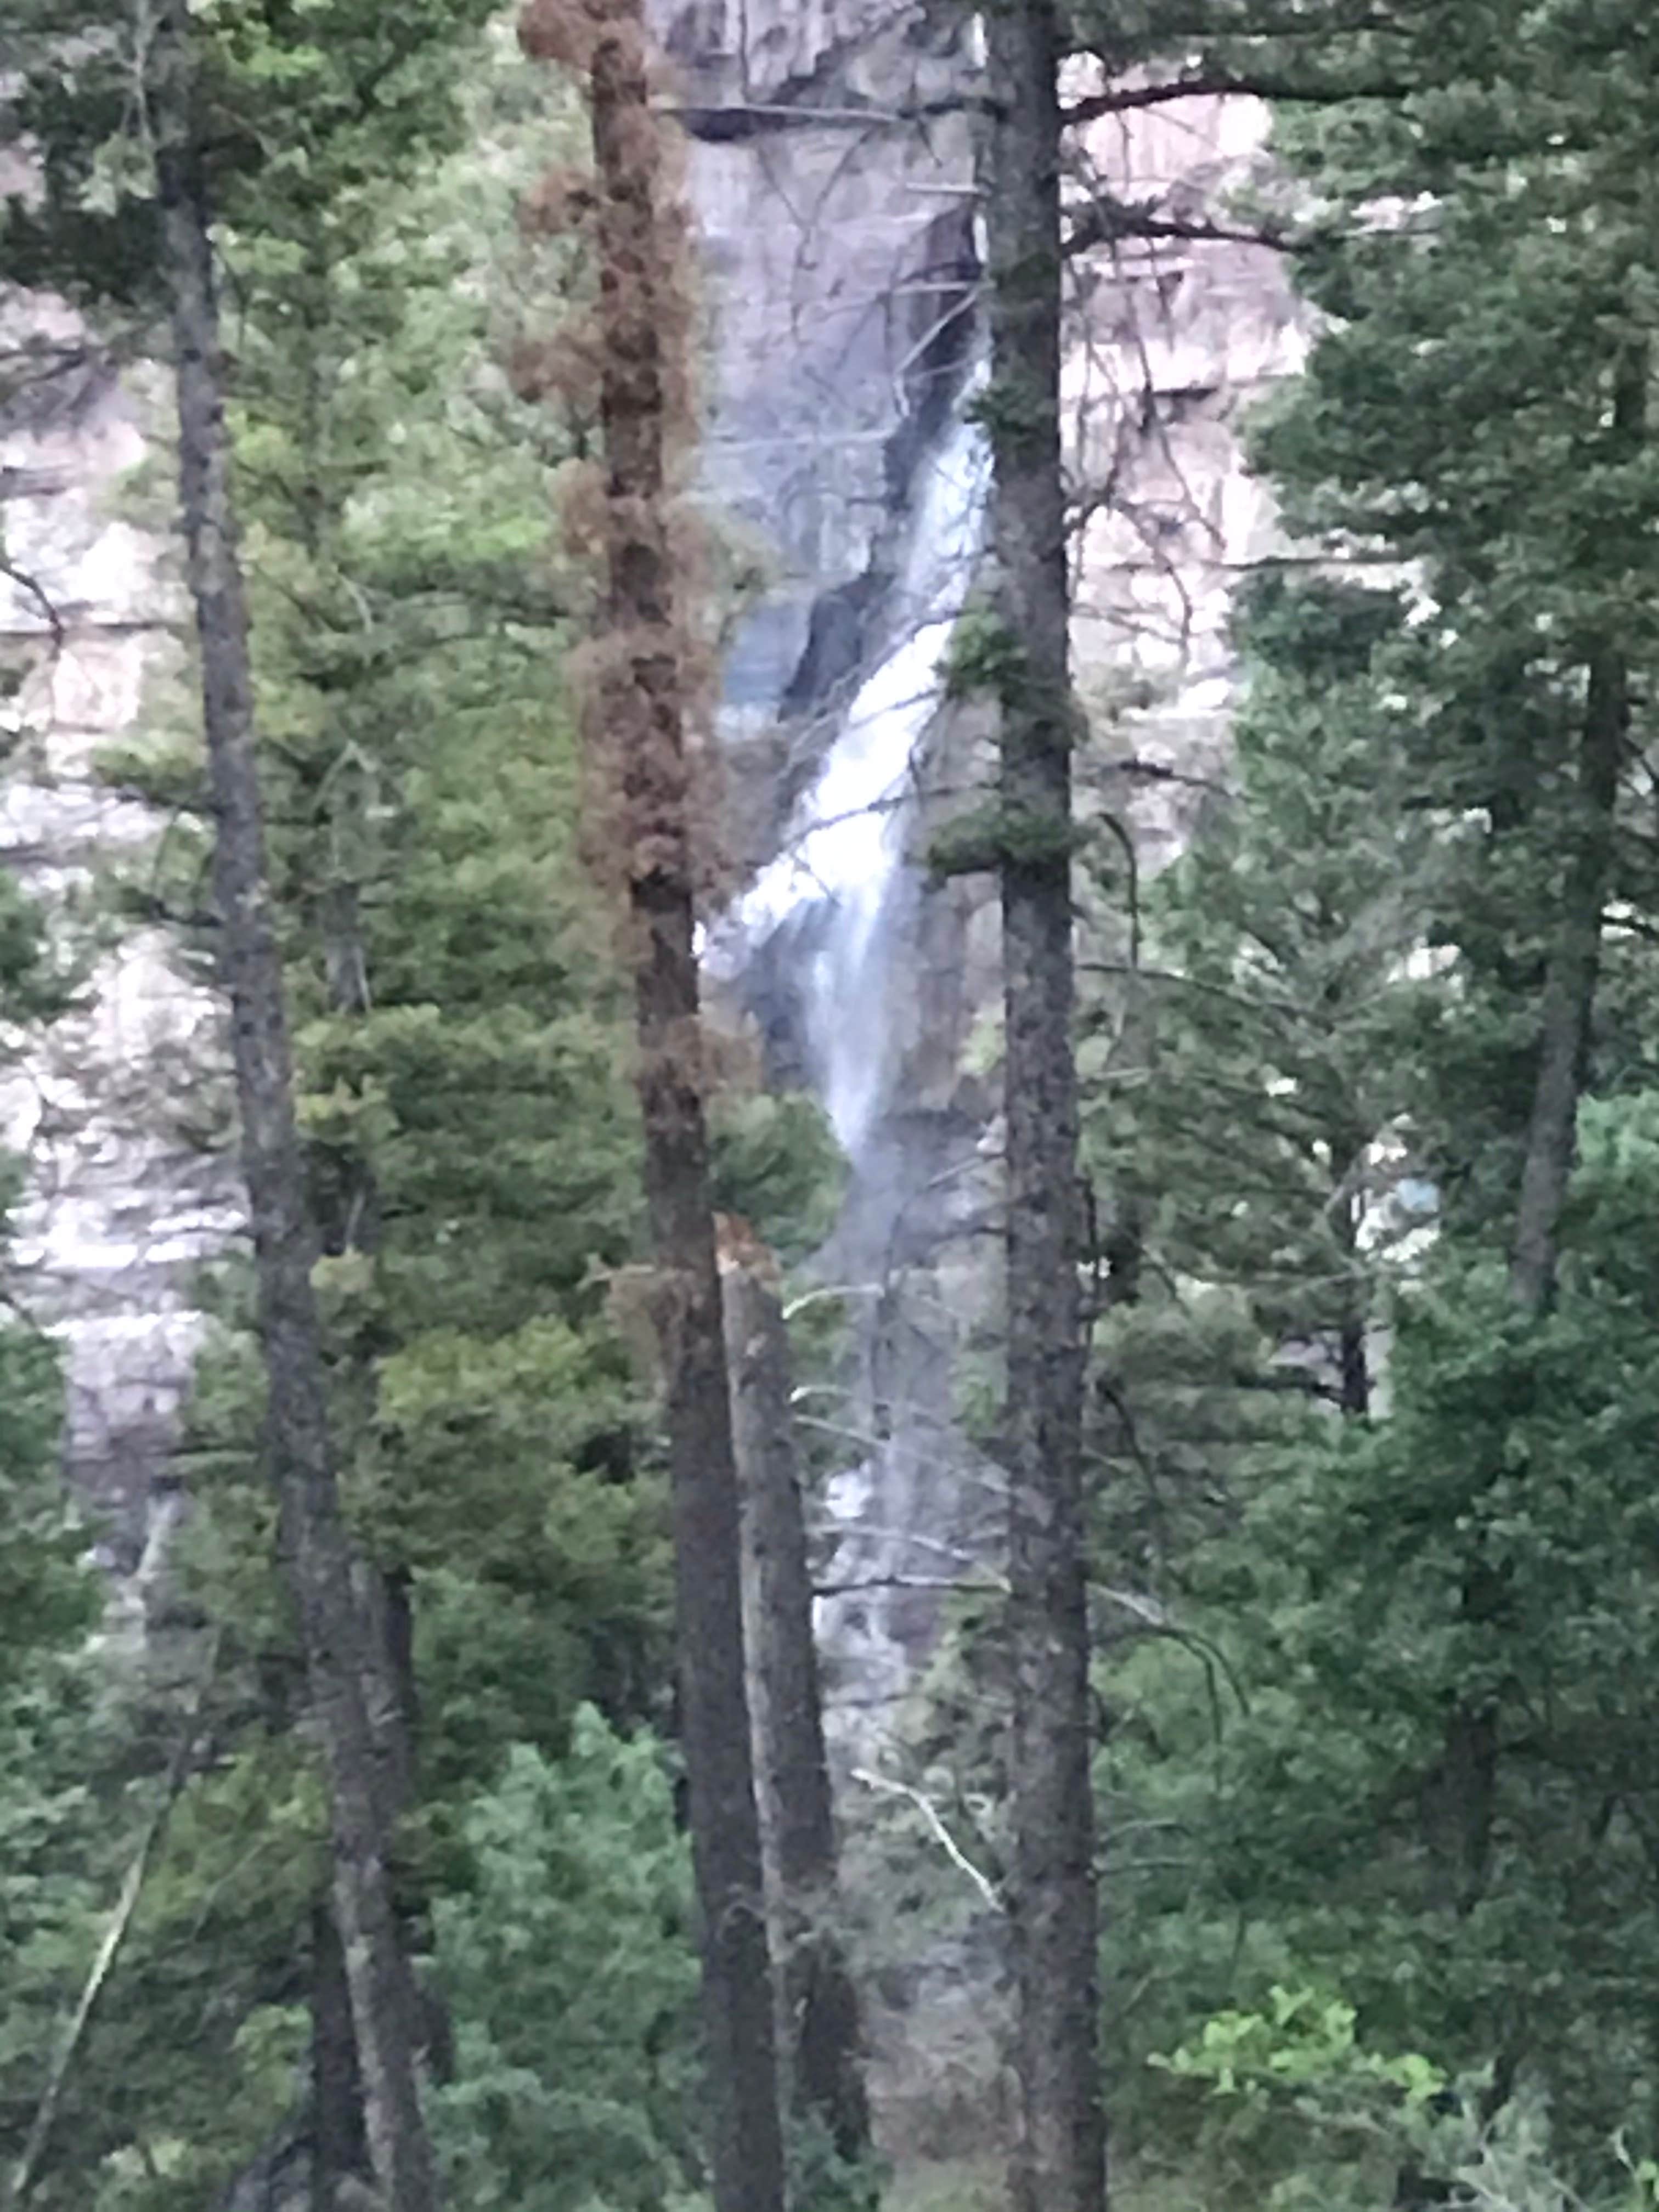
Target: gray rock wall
[(121, 1206), (836, 255), (829, 162), (831, 171)]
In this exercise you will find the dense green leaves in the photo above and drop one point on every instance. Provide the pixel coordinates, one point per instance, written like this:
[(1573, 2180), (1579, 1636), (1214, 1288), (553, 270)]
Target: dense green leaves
[(568, 1958), (1402, 1522), (1376, 1550)]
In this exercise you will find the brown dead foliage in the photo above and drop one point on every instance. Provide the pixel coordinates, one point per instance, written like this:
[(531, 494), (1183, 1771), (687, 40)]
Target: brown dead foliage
[(562, 366), (565, 198), (646, 680)]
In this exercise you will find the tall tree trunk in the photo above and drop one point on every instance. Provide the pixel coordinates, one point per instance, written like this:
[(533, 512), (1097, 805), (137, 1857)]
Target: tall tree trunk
[(339, 2142), (1059, 2157), (1576, 955), (348, 1212), (1353, 1364), (315, 1538), (1570, 984), (1468, 1781), (345, 1205), (1347, 1148), (637, 717), (820, 2038)]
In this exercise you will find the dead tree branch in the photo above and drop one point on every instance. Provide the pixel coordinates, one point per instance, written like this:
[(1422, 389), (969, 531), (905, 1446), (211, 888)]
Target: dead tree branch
[(109, 1948), (924, 1805)]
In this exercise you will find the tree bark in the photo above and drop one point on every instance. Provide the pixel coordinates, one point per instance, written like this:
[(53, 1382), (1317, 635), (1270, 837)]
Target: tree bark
[(1059, 2163), (339, 2144), (637, 714), (314, 1540), (1346, 1147), (820, 2041), (1576, 955), (345, 1205), (1468, 1777), (1569, 987)]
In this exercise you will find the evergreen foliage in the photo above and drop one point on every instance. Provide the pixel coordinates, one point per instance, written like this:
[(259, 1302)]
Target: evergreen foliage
[(570, 1961), (470, 1094), (1366, 1492), (1345, 1490)]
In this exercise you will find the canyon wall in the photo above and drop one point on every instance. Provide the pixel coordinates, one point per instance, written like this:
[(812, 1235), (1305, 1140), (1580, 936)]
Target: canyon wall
[(120, 1114), (831, 165), (832, 176)]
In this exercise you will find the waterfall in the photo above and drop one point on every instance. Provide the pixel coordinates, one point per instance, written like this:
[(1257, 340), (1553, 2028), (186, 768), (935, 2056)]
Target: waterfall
[(828, 915), (846, 845)]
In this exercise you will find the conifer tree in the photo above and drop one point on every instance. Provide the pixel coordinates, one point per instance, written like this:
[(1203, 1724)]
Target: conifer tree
[(640, 716), (387, 2032), (1060, 2150), (1419, 1606)]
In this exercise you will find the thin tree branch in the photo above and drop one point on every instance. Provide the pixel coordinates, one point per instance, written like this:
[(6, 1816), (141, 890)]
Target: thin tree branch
[(115, 1934), (33, 588), (1155, 1619), (947, 1582), (1222, 84), (1104, 221), (929, 1812)]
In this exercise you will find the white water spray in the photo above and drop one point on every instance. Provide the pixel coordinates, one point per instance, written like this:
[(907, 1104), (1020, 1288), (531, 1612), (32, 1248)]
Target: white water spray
[(845, 846)]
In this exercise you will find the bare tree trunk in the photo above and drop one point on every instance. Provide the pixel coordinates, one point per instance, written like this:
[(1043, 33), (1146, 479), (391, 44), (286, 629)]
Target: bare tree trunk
[(636, 716), (1576, 955), (345, 1203), (349, 1218), (1060, 2158), (1353, 1359), (820, 2042), (318, 1558), (1347, 1148)]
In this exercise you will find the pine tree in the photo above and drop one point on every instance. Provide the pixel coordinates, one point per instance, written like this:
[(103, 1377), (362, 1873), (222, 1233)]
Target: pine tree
[(639, 714), (1060, 2151), (483, 1421), (382, 2016), (1418, 1800)]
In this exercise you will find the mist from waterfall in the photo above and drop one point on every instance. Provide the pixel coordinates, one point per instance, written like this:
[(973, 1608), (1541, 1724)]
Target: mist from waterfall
[(846, 843)]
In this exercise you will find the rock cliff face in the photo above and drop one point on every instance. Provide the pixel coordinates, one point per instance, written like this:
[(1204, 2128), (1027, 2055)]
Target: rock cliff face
[(832, 176), (836, 245), (122, 1206), (831, 164)]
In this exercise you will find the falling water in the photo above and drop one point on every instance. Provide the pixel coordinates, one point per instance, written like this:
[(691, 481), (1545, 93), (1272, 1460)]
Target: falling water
[(846, 845), (825, 912)]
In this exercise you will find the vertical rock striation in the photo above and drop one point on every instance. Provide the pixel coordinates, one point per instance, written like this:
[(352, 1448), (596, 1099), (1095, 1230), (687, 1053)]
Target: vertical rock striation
[(118, 1112)]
